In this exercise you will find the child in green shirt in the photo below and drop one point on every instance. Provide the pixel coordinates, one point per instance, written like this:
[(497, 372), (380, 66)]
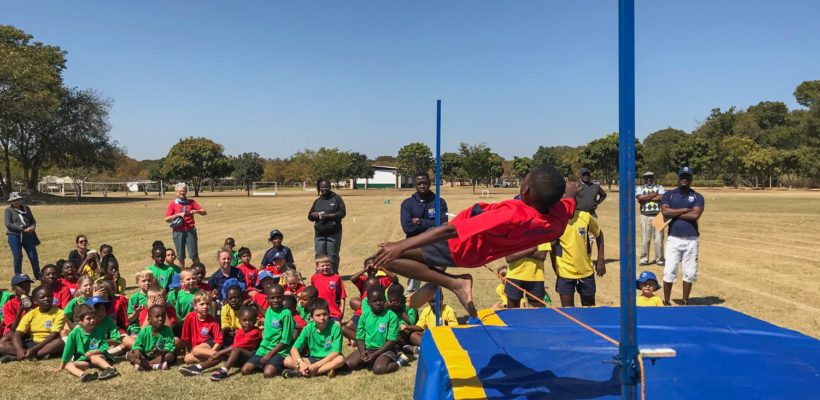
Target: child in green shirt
[(162, 272), (183, 299), (86, 346), (154, 347), (324, 341), (276, 338), (139, 300), (376, 336)]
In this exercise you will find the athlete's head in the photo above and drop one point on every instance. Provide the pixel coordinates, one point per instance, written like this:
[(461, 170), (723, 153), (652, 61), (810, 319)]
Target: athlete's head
[(542, 187)]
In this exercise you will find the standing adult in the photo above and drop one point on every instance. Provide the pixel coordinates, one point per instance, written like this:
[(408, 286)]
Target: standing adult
[(77, 256), (418, 214), (591, 194), (649, 195), (20, 226), (684, 206), (327, 213), (184, 231)]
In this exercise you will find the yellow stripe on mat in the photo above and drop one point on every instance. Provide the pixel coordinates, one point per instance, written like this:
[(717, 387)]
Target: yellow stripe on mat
[(466, 384), (489, 317)]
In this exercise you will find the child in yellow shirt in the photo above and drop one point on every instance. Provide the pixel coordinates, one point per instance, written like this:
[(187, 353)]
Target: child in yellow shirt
[(647, 283)]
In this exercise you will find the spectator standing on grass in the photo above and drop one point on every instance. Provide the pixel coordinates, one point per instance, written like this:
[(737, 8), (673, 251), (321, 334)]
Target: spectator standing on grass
[(649, 196), (326, 214), (184, 229), (20, 226), (591, 194), (684, 206), (418, 214)]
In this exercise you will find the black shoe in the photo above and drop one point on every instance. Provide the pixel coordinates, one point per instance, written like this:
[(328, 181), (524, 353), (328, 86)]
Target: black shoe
[(190, 370), (7, 359), (88, 377), (643, 263), (219, 375), (291, 373), (666, 303), (109, 373)]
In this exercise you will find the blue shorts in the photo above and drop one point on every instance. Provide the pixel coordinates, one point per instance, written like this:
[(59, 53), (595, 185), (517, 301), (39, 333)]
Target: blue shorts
[(277, 361), (355, 319), (536, 288), (336, 320), (438, 255), (585, 286)]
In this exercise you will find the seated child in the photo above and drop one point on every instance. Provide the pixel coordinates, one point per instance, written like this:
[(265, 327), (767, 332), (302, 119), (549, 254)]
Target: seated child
[(481, 234), (156, 297), (376, 336), (14, 309), (277, 264), (246, 340), (4, 297), (360, 305), (118, 311), (259, 298), (304, 299), (171, 258), (386, 278), (292, 282), (154, 346), (163, 272), (199, 275), (324, 341), (105, 249), (277, 336), (245, 266), (427, 319), (49, 276), (91, 264), (225, 272), (275, 238), (85, 347), (38, 334), (499, 290), (107, 325), (290, 303), (138, 301), (234, 299), (85, 290), (110, 269), (183, 299), (201, 334), (68, 276), (397, 303), (647, 283), (330, 287)]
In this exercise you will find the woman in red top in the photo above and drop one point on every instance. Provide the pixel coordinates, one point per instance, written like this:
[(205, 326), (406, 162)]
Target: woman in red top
[(184, 235)]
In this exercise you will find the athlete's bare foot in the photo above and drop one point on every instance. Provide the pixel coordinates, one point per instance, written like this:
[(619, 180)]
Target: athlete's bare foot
[(463, 289)]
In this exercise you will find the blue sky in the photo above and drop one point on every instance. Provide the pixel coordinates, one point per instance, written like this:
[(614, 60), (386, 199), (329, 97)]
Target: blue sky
[(277, 77)]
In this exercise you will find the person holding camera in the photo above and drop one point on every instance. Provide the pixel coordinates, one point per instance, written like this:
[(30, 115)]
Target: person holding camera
[(180, 217), (326, 214), (20, 226)]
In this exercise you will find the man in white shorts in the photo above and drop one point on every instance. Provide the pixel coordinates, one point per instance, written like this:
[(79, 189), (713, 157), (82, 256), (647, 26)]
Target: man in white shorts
[(684, 206)]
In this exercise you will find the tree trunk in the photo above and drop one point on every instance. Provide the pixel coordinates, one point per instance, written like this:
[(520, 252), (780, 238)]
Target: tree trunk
[(473, 182), (5, 184)]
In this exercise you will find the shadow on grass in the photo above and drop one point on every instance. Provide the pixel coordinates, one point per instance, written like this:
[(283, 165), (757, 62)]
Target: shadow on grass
[(701, 301)]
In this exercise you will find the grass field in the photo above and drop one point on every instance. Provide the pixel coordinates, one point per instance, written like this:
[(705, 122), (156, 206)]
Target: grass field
[(756, 257)]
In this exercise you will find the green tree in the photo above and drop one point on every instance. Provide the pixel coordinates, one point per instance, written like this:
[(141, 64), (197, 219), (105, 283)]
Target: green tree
[(553, 155), (196, 160), (746, 126), (698, 154), (389, 160), (451, 167), (247, 169), (659, 150), (808, 93), (762, 162), (495, 167), (414, 158), (360, 167), (30, 86), (601, 156), (717, 126), (733, 150), (769, 114), (521, 166), (477, 162)]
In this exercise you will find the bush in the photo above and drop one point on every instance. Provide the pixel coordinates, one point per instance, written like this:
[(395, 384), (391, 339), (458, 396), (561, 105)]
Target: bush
[(708, 183)]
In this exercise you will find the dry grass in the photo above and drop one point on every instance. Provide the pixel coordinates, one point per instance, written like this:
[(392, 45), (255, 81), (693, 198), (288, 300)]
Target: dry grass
[(756, 257)]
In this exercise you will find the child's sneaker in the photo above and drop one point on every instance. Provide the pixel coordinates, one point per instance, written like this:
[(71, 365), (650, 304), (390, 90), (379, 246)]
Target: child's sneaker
[(219, 375), (190, 370), (352, 343), (7, 359), (137, 367), (331, 373), (410, 350), (403, 360), (88, 377), (164, 366), (108, 373), (290, 373)]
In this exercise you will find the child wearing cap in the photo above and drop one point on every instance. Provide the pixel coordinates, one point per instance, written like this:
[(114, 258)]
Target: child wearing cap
[(277, 264), (647, 283), (324, 341), (14, 309), (105, 324), (275, 238), (376, 336), (201, 334), (245, 266), (183, 299), (85, 347), (38, 333), (259, 298), (330, 287), (276, 338)]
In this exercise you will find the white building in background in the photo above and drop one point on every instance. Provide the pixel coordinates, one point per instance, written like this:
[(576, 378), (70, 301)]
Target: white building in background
[(384, 177)]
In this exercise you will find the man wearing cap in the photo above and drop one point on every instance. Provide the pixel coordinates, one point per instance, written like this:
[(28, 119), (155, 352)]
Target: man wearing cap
[(591, 194), (649, 196), (20, 225), (684, 206), (418, 214)]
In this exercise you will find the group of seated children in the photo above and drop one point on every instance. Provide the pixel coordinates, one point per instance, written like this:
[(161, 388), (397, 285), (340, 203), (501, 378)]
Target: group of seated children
[(252, 319)]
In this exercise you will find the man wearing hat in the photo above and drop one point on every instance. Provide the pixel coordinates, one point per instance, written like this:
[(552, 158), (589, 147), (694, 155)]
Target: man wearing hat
[(684, 206), (649, 196), (20, 225), (591, 194)]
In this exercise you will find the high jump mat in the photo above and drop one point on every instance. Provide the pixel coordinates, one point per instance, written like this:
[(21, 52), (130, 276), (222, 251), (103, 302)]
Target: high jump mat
[(540, 354)]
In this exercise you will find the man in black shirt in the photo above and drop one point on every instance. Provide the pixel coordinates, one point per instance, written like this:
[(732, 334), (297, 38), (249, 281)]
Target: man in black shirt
[(418, 214), (591, 194)]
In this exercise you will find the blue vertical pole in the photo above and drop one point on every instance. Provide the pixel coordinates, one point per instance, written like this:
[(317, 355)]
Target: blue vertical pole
[(438, 194), (628, 348)]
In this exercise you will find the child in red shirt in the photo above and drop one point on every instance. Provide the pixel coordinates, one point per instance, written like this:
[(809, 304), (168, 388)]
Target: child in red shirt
[(330, 287), (292, 282), (69, 277), (245, 266), (265, 279), (246, 340), (483, 233), (201, 333), (200, 274), (278, 266), (386, 278)]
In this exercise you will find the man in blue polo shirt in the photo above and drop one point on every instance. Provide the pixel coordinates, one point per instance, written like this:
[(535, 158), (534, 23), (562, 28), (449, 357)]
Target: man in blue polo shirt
[(684, 206)]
